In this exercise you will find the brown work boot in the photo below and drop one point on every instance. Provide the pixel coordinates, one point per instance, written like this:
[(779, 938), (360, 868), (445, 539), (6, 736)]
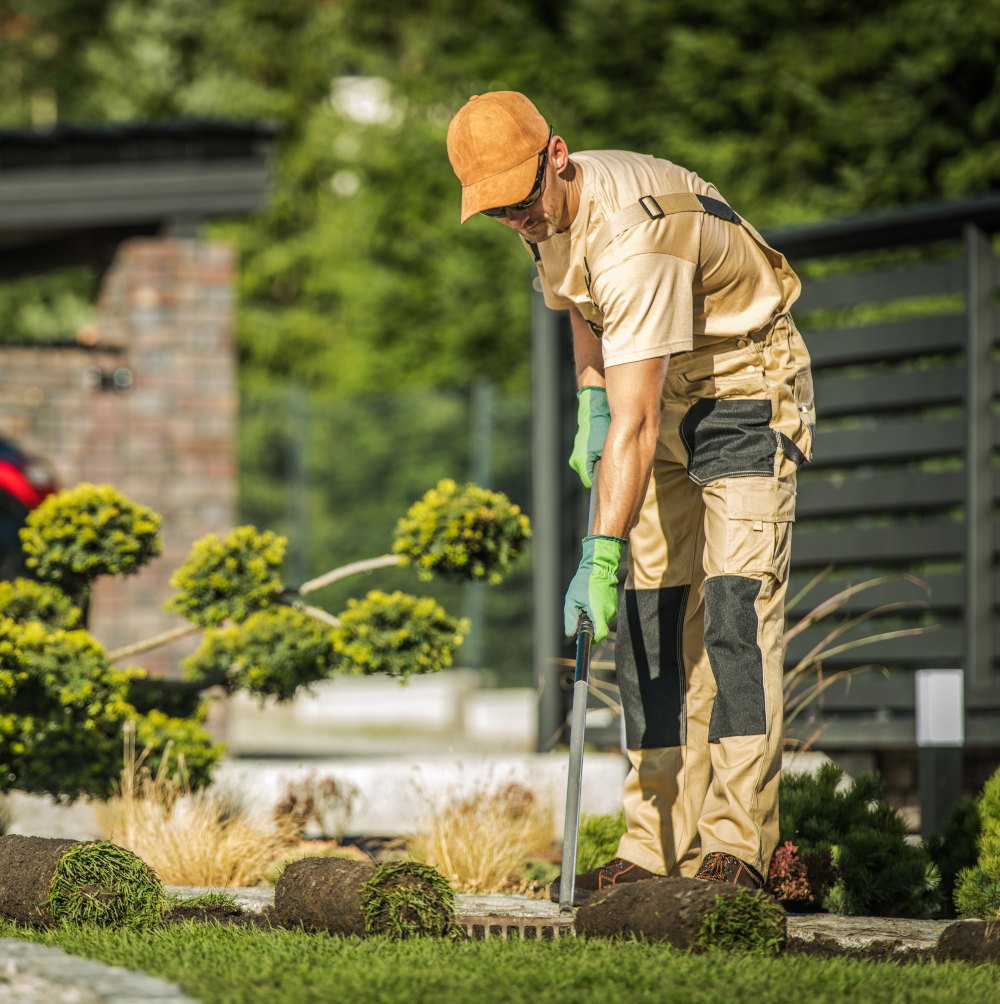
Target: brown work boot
[(614, 872), (719, 867)]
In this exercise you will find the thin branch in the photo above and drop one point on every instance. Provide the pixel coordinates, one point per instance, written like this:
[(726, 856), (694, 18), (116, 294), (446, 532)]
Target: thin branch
[(356, 567), (320, 615), (154, 641)]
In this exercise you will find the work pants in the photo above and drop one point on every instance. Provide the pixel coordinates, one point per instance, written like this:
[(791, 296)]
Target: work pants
[(699, 650)]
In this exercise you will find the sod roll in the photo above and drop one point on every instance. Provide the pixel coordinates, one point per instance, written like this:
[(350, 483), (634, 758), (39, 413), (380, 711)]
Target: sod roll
[(686, 913), (45, 880), (396, 900), (322, 894)]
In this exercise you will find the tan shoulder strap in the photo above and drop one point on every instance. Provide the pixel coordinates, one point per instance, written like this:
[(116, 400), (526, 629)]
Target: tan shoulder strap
[(655, 207)]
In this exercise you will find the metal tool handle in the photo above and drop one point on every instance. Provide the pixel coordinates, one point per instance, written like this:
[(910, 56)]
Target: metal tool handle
[(578, 727)]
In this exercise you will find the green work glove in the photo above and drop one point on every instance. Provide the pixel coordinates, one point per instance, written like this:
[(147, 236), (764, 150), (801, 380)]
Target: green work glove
[(592, 420), (594, 590)]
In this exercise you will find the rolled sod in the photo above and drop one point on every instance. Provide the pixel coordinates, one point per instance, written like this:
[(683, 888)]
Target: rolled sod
[(47, 880), (396, 900), (686, 913)]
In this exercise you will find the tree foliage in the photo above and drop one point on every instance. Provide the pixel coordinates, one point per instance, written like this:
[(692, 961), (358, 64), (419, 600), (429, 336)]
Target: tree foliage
[(357, 276)]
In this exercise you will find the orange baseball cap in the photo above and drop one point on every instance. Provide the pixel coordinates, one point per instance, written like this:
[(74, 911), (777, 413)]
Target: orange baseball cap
[(493, 144)]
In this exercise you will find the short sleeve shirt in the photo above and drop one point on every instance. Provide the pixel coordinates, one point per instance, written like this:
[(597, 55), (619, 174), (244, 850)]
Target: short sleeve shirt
[(658, 286)]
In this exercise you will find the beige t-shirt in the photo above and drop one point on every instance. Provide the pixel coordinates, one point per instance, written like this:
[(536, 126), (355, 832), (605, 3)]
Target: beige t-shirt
[(660, 282)]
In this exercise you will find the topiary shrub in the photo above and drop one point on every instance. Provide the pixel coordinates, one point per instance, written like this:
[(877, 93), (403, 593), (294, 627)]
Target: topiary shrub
[(229, 578), (465, 532), (879, 873), (64, 708), (977, 892), (26, 600), (80, 534), (272, 653), (396, 634)]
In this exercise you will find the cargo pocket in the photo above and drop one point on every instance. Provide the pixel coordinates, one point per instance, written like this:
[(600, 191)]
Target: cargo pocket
[(759, 518), (729, 438)]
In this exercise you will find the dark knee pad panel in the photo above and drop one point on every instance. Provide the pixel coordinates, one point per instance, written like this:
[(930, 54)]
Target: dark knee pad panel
[(737, 662), (649, 665)]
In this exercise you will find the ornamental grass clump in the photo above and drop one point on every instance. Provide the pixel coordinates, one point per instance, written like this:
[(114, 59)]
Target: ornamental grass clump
[(229, 578), (482, 840), (102, 883), (78, 535), (404, 899), (464, 532)]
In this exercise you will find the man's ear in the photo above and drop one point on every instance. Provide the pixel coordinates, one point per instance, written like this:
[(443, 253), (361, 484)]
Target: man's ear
[(559, 154)]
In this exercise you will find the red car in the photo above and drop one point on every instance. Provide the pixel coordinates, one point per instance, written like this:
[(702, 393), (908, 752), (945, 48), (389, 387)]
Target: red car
[(24, 482)]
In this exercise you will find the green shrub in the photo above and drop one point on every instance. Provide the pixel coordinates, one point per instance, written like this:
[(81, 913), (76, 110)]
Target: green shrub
[(977, 892), (26, 600), (63, 709), (272, 653), (955, 850), (77, 535), (465, 532), (229, 579), (396, 634), (180, 740), (879, 873), (597, 843)]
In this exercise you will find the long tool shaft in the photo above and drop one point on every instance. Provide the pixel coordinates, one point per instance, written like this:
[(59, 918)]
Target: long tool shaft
[(578, 727)]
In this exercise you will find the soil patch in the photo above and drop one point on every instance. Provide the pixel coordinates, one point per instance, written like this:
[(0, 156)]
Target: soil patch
[(27, 866), (323, 894), (971, 941), (225, 914)]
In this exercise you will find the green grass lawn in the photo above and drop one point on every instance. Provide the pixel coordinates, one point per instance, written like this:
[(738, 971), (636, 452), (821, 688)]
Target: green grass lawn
[(215, 964)]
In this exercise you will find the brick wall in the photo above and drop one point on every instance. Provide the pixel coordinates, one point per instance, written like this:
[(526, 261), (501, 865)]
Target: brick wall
[(148, 402)]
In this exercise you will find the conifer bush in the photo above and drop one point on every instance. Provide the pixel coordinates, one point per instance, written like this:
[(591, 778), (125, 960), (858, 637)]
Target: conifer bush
[(396, 634), (272, 653), (464, 531), (26, 600), (75, 536), (878, 872), (229, 579), (977, 892)]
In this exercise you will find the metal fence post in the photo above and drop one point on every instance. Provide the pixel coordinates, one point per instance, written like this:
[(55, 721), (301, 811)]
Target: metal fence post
[(979, 459), (940, 729)]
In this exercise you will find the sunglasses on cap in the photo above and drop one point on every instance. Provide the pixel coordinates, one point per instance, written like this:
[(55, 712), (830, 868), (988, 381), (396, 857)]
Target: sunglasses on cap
[(536, 191)]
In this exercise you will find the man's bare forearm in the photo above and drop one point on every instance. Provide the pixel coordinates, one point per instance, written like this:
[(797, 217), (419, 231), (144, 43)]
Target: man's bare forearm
[(634, 398)]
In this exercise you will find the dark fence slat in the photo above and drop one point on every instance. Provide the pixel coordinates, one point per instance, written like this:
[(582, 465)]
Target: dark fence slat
[(882, 544), (882, 286), (888, 442), (889, 390), (877, 342), (917, 491)]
